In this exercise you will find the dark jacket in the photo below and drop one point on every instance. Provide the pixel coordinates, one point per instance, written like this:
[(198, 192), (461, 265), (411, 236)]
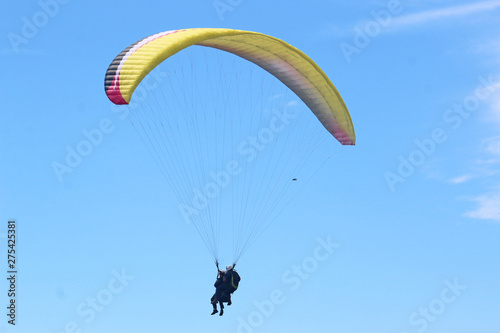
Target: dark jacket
[(221, 291), (218, 282)]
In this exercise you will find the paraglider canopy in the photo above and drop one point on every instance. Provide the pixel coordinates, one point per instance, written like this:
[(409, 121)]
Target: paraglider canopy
[(287, 63)]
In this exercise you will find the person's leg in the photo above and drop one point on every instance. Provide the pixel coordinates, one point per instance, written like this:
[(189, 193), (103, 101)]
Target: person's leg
[(221, 305), (214, 304)]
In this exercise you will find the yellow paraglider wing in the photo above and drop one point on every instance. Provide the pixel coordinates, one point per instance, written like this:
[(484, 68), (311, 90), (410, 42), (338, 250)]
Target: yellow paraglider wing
[(287, 63)]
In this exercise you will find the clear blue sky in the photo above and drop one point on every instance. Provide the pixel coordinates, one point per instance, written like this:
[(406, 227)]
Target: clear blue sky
[(413, 209)]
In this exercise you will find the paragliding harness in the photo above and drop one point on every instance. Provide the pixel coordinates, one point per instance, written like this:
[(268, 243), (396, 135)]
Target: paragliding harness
[(235, 279)]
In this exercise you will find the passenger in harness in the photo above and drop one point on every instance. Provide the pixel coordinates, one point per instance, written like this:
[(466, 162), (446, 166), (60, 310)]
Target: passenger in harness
[(227, 282), (219, 295)]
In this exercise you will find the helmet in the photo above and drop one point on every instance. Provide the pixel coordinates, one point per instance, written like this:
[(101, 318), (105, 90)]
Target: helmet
[(222, 271), (229, 267)]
